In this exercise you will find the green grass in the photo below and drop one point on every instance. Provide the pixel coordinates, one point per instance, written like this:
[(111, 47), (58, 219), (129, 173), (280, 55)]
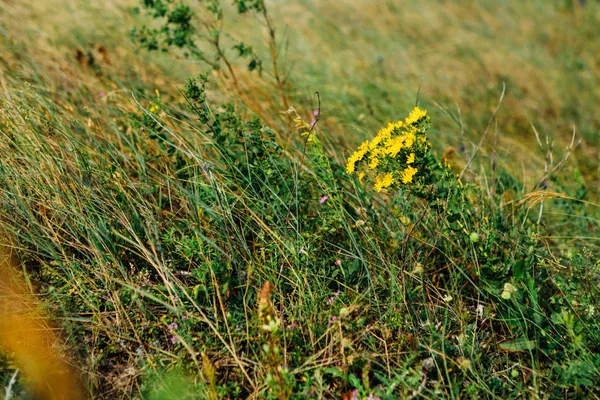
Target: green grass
[(150, 223)]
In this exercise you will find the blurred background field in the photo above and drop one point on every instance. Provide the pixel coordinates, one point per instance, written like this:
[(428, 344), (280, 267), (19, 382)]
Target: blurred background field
[(120, 236), (369, 59)]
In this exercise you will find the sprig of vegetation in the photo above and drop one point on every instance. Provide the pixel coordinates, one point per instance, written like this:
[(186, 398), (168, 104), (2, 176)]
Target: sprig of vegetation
[(179, 29)]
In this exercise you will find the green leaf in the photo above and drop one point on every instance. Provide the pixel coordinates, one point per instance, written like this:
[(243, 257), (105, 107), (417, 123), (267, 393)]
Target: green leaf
[(354, 381), (335, 372), (520, 344)]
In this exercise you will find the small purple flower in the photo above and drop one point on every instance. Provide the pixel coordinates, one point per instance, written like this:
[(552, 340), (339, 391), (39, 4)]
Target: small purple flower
[(313, 121), (338, 262), (332, 320), (323, 199), (331, 300), (174, 339), (354, 395), (173, 326)]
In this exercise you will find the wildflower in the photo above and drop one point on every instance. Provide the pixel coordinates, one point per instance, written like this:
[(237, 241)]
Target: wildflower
[(357, 156), (394, 146), (332, 320), (384, 134), (323, 199), (508, 291), (591, 310), (384, 181), (415, 116), (331, 300), (374, 163), (338, 262), (372, 397), (313, 120), (266, 313), (393, 152), (354, 395), (172, 326), (272, 324), (409, 139), (407, 174)]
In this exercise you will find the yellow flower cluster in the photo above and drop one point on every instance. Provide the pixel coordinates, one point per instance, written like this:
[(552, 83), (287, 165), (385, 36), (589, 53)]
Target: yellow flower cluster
[(356, 157), (386, 146), (415, 115), (408, 174), (384, 181)]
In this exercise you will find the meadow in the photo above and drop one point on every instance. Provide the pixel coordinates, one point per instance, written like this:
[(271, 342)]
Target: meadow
[(299, 199)]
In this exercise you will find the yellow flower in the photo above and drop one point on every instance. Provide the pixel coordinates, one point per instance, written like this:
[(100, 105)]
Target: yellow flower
[(350, 167), (409, 138), (387, 145), (361, 175), (356, 157), (383, 181), (394, 146), (407, 174), (385, 134), (374, 163), (415, 115)]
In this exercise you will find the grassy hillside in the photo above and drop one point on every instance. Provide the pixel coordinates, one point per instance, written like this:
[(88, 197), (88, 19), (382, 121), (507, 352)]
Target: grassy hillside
[(194, 232)]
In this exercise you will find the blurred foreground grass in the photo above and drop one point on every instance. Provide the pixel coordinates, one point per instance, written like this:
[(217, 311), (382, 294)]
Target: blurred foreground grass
[(149, 237)]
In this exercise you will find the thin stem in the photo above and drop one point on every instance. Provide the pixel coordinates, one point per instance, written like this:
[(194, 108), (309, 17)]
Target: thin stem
[(273, 48)]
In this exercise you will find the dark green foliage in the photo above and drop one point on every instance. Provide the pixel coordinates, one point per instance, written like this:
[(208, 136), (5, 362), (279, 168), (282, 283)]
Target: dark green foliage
[(244, 6), (179, 28)]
